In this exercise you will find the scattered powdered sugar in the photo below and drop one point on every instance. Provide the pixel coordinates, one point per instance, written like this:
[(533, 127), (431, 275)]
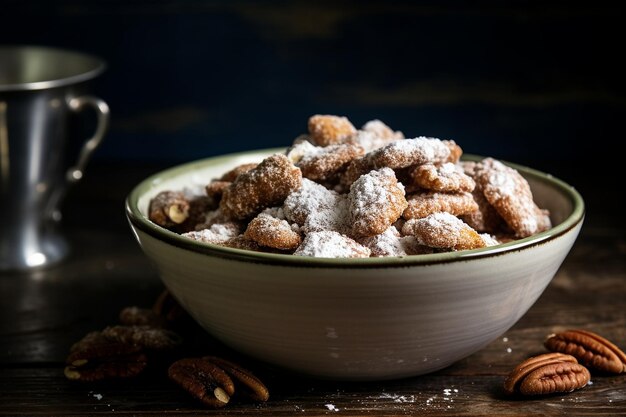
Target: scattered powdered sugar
[(331, 407), (398, 398)]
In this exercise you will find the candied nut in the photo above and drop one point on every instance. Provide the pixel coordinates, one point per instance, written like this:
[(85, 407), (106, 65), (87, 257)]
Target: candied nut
[(145, 336), (325, 164), (420, 205), (509, 193), (591, 349), (96, 357), (246, 384), (204, 380), (272, 232), (443, 231), (327, 130), (443, 178), (376, 202), (398, 154), (265, 186), (547, 374), (169, 208), (407, 152)]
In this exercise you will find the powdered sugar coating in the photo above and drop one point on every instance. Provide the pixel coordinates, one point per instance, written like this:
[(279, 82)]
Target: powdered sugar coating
[(509, 193), (447, 177), (376, 202), (316, 208), (323, 164), (330, 244)]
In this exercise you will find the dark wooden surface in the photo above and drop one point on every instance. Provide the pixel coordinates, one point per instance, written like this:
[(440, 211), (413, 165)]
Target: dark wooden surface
[(43, 313)]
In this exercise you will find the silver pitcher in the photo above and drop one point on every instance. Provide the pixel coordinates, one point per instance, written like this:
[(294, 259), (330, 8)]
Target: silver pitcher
[(39, 89)]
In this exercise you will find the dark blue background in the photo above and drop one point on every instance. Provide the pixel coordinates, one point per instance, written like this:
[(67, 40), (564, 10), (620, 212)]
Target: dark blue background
[(530, 82)]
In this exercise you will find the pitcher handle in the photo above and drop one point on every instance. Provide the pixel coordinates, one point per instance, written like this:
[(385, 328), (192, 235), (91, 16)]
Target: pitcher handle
[(75, 173)]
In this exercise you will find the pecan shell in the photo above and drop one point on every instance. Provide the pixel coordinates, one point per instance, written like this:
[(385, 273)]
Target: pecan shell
[(204, 380), (590, 349)]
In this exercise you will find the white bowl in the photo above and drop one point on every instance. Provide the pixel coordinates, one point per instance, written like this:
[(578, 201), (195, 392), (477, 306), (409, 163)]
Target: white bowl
[(355, 319)]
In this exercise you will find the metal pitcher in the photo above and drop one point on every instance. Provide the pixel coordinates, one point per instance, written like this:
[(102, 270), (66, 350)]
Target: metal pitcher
[(39, 89)]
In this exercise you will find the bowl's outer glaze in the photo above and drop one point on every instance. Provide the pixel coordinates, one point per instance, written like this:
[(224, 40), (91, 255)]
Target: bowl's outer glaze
[(367, 322)]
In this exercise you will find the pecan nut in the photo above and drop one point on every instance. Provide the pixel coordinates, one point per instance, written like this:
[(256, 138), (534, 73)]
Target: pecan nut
[(204, 380), (547, 374), (247, 385), (96, 357), (590, 349), (143, 336)]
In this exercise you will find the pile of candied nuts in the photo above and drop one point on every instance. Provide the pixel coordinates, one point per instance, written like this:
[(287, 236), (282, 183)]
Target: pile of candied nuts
[(342, 192)]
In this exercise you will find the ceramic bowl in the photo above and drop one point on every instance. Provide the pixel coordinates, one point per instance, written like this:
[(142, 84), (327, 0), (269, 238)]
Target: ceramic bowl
[(354, 319)]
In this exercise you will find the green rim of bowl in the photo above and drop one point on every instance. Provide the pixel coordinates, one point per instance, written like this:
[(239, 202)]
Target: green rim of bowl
[(141, 222)]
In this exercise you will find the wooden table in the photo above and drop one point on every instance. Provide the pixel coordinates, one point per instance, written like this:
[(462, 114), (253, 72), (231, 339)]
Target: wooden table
[(44, 312)]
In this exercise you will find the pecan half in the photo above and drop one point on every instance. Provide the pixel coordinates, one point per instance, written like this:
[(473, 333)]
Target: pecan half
[(590, 349), (204, 380), (246, 383), (96, 357), (547, 374)]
